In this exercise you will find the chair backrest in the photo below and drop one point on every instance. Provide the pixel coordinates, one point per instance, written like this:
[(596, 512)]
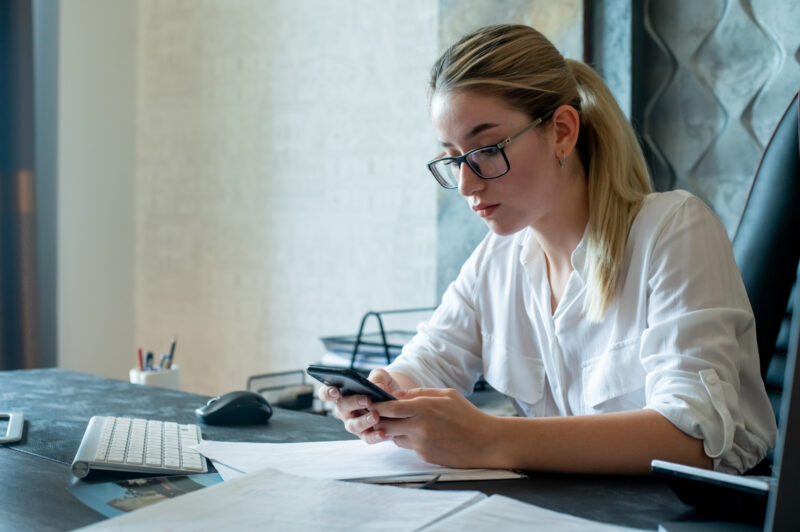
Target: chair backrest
[(766, 243)]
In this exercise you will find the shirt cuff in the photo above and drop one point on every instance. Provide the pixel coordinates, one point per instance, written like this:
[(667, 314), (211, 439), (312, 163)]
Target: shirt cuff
[(704, 407)]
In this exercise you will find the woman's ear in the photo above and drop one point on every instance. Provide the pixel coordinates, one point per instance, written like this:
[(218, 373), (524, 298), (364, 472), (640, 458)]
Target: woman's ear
[(566, 125)]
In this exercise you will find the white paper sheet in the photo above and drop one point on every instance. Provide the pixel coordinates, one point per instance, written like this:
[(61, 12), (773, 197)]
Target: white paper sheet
[(227, 473), (342, 460), (272, 500), (506, 514)]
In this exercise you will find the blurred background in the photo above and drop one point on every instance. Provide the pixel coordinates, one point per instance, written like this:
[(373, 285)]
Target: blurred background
[(249, 176)]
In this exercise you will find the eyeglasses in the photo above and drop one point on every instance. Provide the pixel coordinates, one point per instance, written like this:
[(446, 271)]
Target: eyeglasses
[(488, 162)]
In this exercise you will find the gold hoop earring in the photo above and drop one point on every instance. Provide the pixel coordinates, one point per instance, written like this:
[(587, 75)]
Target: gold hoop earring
[(562, 160)]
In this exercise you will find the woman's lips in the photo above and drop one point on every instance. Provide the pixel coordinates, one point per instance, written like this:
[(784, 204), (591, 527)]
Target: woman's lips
[(484, 210)]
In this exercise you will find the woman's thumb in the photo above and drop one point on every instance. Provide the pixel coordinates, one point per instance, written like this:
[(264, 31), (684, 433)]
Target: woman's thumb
[(383, 379)]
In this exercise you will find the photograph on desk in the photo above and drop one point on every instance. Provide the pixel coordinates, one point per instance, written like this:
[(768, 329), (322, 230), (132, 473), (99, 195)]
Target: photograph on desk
[(121, 496)]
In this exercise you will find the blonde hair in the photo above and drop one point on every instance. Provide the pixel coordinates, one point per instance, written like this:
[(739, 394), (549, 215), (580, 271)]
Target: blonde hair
[(519, 65)]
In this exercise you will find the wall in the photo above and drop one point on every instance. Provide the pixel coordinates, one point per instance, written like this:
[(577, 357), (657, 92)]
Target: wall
[(281, 181), (46, 47), (96, 165)]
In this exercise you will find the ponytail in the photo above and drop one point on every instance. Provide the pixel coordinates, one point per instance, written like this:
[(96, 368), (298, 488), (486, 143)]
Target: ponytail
[(617, 180)]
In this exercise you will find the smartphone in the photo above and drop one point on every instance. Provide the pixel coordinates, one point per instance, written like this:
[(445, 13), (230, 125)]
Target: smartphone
[(349, 381)]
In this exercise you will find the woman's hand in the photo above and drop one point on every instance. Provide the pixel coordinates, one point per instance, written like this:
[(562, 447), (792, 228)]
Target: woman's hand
[(442, 426), (356, 410)]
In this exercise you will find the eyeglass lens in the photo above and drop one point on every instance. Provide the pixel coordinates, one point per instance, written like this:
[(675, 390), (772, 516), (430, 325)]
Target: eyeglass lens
[(487, 162)]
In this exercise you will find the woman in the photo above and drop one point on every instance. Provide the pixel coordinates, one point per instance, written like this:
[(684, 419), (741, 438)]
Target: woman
[(615, 319)]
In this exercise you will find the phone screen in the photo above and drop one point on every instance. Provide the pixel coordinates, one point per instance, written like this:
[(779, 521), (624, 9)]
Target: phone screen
[(349, 381)]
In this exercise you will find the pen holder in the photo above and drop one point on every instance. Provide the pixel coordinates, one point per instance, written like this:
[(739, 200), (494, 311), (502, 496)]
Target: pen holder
[(165, 378)]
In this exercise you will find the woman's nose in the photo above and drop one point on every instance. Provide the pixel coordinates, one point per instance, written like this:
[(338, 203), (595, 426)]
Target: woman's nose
[(469, 182)]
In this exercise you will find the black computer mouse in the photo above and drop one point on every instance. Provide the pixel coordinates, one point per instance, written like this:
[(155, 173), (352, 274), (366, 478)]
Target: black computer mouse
[(235, 408)]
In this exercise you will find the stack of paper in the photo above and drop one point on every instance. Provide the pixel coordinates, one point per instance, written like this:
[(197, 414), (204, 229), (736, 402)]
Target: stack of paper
[(371, 351), (272, 500), (340, 460)]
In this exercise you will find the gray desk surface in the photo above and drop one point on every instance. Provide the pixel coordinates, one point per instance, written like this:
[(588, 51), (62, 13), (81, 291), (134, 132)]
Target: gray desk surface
[(57, 405)]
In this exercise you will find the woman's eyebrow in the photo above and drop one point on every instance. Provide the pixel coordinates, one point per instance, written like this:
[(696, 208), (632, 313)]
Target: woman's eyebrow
[(480, 128)]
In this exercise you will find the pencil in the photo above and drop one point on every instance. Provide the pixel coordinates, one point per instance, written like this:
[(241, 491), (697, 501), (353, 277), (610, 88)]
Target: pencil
[(171, 351), (141, 360)]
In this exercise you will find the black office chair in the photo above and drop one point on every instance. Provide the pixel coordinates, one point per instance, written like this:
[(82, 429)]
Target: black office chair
[(766, 245)]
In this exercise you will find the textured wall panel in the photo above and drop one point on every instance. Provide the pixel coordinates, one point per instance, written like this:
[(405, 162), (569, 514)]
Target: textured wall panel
[(610, 47), (723, 73), (681, 138), (781, 22)]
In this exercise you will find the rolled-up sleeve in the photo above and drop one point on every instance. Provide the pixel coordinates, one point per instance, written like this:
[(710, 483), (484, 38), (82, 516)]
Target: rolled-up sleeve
[(699, 350)]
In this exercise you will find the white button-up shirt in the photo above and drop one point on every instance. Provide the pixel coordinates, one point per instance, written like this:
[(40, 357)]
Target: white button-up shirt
[(679, 337)]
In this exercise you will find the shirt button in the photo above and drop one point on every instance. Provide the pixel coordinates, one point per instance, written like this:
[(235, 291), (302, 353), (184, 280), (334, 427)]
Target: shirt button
[(712, 379)]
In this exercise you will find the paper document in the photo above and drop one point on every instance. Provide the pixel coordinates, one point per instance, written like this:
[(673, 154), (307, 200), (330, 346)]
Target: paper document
[(226, 472), (271, 500), (502, 513), (341, 460)]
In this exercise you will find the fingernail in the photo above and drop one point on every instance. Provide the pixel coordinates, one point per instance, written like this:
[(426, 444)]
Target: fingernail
[(333, 393), (363, 402), (371, 418)]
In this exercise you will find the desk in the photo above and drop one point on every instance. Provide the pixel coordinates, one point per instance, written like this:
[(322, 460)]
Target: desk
[(57, 406)]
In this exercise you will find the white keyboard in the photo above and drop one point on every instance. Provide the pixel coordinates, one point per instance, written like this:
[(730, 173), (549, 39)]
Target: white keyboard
[(139, 446)]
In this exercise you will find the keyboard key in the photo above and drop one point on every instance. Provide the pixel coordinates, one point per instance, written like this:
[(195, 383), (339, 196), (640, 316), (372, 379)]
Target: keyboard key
[(134, 459), (116, 456), (193, 465)]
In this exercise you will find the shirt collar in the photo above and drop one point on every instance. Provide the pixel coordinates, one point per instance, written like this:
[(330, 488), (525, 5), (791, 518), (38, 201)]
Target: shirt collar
[(530, 247), (578, 257)]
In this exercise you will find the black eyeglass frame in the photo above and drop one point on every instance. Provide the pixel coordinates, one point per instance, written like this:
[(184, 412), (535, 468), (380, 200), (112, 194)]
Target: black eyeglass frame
[(461, 159)]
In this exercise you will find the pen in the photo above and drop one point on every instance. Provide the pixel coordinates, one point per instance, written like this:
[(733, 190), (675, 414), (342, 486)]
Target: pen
[(430, 483), (163, 361), (141, 362), (149, 361), (171, 351)]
